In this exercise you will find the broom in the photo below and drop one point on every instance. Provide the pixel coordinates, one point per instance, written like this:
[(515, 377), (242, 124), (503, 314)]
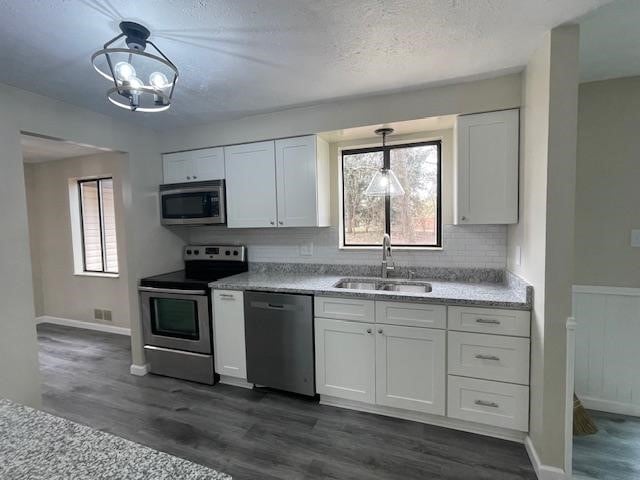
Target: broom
[(582, 422)]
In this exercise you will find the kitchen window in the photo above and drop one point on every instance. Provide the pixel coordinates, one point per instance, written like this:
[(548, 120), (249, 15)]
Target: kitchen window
[(413, 219), (98, 226)]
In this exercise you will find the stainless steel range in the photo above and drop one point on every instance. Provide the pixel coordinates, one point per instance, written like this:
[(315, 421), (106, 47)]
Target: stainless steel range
[(176, 312)]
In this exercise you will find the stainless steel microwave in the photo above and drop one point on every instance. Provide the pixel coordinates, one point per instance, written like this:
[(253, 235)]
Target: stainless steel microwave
[(195, 203)]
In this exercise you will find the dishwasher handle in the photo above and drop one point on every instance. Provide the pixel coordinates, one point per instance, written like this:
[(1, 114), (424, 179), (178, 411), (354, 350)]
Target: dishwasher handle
[(273, 306)]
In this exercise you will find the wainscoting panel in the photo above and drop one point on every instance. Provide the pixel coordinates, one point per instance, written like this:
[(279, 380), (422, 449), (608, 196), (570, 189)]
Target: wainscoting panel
[(607, 375)]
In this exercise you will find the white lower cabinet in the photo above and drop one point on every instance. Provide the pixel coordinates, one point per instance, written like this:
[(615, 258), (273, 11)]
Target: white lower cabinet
[(345, 359), (410, 368), (228, 333), (493, 403)]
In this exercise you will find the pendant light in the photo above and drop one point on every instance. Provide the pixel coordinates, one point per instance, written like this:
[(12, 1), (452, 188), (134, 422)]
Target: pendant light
[(384, 183), (127, 66)]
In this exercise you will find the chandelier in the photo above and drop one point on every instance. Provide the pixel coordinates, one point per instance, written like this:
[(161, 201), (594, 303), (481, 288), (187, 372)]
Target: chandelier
[(129, 65)]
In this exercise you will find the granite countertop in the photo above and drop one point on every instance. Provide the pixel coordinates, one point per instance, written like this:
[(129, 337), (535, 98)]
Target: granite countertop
[(508, 294), (37, 445)]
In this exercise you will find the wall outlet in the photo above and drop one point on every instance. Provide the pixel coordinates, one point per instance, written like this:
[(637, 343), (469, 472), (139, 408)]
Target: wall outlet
[(635, 238), (306, 249), (106, 315), (97, 314)]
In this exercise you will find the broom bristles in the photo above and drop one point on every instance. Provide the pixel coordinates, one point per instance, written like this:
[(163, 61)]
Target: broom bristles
[(582, 422)]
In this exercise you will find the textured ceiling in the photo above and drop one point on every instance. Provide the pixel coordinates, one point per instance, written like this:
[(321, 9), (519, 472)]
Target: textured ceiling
[(610, 42), (242, 57)]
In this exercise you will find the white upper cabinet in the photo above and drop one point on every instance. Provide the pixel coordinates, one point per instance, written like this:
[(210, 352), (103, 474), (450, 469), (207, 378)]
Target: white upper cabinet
[(302, 182), (281, 183), (486, 168), (251, 185), (193, 166)]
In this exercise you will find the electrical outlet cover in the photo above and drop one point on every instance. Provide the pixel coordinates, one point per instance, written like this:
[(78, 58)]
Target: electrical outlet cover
[(97, 314), (635, 238), (306, 249), (106, 315)]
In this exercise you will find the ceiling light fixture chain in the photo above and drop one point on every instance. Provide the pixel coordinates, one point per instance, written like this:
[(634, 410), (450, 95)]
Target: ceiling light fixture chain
[(126, 65)]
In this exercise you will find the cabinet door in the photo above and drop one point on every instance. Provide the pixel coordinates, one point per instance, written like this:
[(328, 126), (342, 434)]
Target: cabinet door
[(410, 368), (177, 167), (228, 336), (487, 168), (345, 359), (251, 185), (208, 164), (296, 182)]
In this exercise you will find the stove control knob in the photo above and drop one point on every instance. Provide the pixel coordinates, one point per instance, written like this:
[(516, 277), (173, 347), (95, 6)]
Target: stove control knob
[(227, 252), (235, 253), (188, 252), (196, 252)]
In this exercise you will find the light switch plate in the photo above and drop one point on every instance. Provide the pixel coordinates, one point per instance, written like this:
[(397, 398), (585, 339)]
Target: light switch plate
[(306, 249), (635, 238)]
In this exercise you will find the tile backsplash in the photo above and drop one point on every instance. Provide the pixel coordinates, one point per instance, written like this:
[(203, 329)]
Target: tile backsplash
[(473, 246)]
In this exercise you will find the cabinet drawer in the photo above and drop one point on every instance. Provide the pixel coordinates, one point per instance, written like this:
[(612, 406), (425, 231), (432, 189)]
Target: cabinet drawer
[(411, 314), (344, 309), (492, 357), (490, 320), (493, 403)]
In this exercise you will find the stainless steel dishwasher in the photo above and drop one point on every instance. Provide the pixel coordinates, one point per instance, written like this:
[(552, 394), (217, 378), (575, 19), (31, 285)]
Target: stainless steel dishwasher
[(279, 341)]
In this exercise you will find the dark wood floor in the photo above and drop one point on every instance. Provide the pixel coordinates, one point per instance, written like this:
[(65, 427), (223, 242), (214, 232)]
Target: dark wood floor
[(611, 454), (254, 434)]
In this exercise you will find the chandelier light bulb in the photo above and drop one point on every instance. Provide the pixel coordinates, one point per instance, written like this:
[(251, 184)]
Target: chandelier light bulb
[(158, 80), (125, 71), (135, 84)]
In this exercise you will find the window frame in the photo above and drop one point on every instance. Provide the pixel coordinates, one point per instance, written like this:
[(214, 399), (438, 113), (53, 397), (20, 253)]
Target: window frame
[(103, 249), (386, 155)]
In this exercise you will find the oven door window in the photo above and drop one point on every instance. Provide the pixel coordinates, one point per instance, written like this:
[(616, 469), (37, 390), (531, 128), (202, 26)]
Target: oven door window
[(176, 318), (190, 205)]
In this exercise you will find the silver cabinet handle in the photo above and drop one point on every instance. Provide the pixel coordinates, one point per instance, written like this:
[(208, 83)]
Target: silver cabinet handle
[(368, 330), (488, 320), (380, 330), (484, 403), (226, 296), (487, 357)]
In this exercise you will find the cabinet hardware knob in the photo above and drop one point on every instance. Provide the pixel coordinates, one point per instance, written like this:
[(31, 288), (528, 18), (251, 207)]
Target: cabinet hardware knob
[(481, 356), (281, 222), (368, 330), (379, 330), (463, 218), (484, 403), (490, 321), (188, 178), (194, 177)]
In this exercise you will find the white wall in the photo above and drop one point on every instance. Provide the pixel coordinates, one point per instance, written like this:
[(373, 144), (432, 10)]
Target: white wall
[(545, 231), (152, 249), (608, 178), (62, 293)]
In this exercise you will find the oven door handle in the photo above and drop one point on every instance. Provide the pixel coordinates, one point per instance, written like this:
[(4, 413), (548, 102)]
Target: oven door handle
[(172, 290)]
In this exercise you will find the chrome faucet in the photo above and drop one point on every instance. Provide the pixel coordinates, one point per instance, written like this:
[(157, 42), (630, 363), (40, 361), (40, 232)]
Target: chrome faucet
[(386, 256)]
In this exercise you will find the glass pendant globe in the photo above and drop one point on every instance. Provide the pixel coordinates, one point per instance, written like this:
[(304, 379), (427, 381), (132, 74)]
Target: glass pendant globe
[(384, 183), (124, 71), (158, 80)]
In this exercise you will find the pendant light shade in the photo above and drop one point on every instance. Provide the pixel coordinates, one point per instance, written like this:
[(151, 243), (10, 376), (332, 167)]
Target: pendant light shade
[(384, 183)]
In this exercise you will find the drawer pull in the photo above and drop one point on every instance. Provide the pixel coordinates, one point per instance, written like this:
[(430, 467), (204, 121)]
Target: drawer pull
[(489, 321), (480, 356), (226, 296), (484, 403)]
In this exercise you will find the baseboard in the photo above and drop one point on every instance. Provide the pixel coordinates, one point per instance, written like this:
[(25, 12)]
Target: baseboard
[(437, 420), (544, 472), (236, 382), (67, 322), (139, 370), (610, 406)]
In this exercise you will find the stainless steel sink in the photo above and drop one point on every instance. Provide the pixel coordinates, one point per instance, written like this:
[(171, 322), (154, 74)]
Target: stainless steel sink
[(406, 287), (402, 286), (354, 285)]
